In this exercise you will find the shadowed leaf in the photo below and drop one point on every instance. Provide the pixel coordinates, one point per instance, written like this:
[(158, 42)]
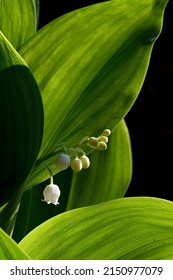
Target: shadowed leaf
[(21, 123)]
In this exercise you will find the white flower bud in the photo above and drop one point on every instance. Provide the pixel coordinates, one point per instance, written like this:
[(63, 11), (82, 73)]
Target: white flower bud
[(62, 162), (51, 194), (85, 161), (76, 165)]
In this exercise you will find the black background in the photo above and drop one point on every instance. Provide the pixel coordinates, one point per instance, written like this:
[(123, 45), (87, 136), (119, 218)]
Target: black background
[(150, 121)]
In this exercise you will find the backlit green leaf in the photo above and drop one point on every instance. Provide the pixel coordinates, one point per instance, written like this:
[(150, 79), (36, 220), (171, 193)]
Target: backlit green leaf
[(109, 175), (17, 20), (9, 250), (90, 65), (126, 228)]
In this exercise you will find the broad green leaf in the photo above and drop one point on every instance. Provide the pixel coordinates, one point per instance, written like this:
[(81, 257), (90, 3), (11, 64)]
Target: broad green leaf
[(9, 250), (126, 228), (90, 65), (109, 175), (21, 121), (17, 20)]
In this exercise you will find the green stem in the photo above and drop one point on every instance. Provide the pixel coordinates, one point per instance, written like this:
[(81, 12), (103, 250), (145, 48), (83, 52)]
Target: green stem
[(51, 180)]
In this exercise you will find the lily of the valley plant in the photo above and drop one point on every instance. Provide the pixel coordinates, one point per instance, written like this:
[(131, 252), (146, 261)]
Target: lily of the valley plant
[(66, 159)]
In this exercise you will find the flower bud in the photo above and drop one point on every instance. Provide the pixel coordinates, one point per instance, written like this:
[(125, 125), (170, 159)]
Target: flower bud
[(92, 141), (106, 132), (101, 146), (76, 165), (62, 162), (85, 161), (51, 194), (103, 138)]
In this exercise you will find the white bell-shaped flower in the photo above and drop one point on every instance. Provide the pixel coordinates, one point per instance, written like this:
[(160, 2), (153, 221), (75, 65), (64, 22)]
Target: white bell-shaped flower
[(51, 194)]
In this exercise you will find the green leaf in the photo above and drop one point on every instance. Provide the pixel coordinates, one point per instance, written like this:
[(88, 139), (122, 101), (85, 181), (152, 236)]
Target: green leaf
[(9, 250), (21, 121), (109, 175), (8, 212), (126, 228), (90, 65), (17, 20)]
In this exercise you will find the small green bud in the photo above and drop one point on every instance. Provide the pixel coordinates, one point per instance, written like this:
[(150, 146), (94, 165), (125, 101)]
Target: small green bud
[(62, 162), (85, 161), (93, 141), (106, 132), (103, 138), (76, 165), (101, 146)]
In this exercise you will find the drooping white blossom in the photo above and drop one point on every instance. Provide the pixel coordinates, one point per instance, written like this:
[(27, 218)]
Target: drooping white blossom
[(51, 194)]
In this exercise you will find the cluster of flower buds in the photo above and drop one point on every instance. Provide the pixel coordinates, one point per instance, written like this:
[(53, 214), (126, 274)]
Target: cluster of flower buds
[(99, 143), (63, 161), (75, 158)]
